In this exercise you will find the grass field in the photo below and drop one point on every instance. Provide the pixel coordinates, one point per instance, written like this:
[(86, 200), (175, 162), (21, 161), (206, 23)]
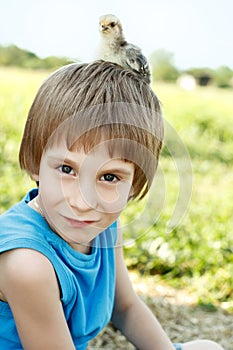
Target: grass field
[(193, 189)]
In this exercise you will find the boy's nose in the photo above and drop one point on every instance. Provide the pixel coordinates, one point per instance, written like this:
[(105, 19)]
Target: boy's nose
[(83, 198)]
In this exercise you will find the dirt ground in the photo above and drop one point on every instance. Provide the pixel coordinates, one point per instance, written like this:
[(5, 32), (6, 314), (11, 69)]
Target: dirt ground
[(179, 316)]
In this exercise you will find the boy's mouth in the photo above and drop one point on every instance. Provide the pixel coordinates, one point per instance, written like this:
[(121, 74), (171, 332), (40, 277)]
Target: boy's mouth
[(79, 223)]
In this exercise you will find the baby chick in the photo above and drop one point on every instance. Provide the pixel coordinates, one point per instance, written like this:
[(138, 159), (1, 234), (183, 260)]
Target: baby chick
[(114, 48)]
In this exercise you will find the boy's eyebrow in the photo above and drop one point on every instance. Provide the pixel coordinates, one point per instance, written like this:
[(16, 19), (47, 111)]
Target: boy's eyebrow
[(59, 159), (118, 170), (62, 160)]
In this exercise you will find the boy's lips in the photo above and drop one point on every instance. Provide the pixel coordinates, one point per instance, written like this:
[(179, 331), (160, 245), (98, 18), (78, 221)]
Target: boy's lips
[(79, 223)]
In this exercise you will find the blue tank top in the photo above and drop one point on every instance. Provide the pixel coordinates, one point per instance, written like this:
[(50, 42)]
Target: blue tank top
[(87, 282)]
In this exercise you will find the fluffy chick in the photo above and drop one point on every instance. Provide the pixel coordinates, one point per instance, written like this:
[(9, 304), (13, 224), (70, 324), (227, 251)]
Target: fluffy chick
[(114, 48)]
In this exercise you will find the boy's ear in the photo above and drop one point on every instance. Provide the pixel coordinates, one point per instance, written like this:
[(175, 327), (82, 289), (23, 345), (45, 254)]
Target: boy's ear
[(131, 194), (35, 177)]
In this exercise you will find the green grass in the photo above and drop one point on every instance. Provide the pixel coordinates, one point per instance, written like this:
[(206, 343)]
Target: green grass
[(17, 89), (197, 253)]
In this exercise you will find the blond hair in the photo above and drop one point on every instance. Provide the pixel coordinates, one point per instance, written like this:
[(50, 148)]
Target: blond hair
[(86, 103)]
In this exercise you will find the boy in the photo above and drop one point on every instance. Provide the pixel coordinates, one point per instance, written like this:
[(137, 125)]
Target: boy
[(91, 142)]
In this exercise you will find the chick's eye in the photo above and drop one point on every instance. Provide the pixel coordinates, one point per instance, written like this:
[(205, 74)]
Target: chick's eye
[(66, 169), (109, 178), (113, 24)]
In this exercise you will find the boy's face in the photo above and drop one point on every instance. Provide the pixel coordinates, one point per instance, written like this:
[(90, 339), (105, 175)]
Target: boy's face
[(81, 193)]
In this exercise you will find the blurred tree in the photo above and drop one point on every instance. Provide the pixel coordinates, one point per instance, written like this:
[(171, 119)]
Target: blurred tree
[(162, 66), (223, 76), (52, 62), (14, 56)]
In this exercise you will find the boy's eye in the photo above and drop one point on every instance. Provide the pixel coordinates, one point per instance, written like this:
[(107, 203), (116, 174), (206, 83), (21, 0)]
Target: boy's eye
[(109, 178), (66, 169)]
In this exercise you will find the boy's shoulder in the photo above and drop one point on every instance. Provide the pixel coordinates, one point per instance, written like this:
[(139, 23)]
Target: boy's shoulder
[(21, 226), (24, 264), (20, 217)]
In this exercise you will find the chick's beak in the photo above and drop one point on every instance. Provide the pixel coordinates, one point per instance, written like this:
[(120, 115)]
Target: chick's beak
[(103, 27)]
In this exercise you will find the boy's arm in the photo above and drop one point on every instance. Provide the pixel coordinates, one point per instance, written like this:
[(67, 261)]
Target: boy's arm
[(28, 283), (132, 316)]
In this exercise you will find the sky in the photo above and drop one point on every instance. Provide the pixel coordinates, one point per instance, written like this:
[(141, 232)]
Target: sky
[(198, 32)]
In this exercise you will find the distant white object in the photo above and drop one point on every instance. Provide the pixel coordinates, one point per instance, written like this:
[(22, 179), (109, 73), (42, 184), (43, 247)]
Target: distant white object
[(187, 82), (114, 48)]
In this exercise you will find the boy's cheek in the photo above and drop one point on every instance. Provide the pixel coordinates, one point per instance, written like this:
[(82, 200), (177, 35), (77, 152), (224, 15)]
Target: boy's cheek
[(115, 204), (50, 188)]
